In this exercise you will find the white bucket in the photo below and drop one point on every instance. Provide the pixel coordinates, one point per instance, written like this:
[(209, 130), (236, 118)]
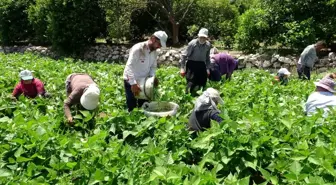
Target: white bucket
[(160, 109), (147, 88)]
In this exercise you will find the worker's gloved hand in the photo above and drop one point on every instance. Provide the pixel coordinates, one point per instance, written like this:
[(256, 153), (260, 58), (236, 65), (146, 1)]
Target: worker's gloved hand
[(156, 82), (182, 72), (135, 89), (70, 121)]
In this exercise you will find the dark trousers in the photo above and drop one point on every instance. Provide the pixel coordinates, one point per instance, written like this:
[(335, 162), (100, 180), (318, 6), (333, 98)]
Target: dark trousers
[(215, 74), (131, 101), (303, 72), (196, 76)]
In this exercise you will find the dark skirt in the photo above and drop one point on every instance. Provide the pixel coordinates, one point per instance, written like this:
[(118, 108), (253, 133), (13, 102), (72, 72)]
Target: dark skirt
[(196, 73)]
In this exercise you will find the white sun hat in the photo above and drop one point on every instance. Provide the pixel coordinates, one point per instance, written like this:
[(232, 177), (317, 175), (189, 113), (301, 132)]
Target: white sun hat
[(26, 75), (214, 94), (162, 36), (284, 71), (203, 33), (90, 98)]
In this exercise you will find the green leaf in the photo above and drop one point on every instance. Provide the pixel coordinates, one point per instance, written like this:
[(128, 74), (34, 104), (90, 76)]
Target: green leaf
[(160, 171), (172, 176), (22, 159), (287, 123), (296, 168), (291, 177), (252, 165), (112, 129), (225, 159), (99, 175), (18, 152), (127, 133), (314, 160), (85, 113), (78, 116), (329, 168), (40, 130), (71, 164), (265, 173), (244, 181), (5, 173), (5, 120)]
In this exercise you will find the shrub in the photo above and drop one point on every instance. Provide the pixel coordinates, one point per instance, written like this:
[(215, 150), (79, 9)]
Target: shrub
[(298, 34), (38, 18), (71, 24), (14, 24), (219, 17), (252, 31)]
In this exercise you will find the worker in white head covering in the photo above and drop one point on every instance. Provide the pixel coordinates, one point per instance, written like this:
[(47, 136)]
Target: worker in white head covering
[(195, 62), (283, 76), (323, 97), (205, 110), (81, 89)]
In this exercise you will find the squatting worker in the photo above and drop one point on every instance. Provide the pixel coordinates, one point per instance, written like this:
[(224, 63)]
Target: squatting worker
[(195, 62), (141, 63), (29, 86), (205, 110), (282, 76), (80, 89), (322, 98)]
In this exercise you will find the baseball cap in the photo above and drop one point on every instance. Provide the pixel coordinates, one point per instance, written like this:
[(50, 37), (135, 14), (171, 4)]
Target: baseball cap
[(162, 36), (26, 75), (284, 71), (203, 33)]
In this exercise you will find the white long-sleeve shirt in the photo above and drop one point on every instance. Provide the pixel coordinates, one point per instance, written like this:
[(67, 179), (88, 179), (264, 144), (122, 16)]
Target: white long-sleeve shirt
[(141, 63), (320, 100)]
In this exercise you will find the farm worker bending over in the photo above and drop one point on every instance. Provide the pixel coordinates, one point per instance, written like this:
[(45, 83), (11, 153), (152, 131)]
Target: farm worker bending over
[(222, 64), (142, 63), (80, 89), (308, 58), (29, 86), (205, 110), (322, 98), (195, 62), (282, 76)]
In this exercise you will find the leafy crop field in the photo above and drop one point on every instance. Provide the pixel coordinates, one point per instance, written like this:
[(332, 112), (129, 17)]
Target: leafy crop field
[(265, 138)]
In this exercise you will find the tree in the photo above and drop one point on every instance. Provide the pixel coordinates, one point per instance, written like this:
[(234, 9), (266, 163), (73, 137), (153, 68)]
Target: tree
[(118, 15), (175, 11)]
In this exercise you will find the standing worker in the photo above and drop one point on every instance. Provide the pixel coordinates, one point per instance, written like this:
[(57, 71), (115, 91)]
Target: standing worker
[(195, 62), (141, 63), (308, 58)]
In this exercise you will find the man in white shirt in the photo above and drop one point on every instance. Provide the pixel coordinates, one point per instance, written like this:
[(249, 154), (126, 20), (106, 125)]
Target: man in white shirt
[(141, 63), (322, 98)]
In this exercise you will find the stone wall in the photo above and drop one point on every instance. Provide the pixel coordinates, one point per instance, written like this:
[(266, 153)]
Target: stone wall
[(172, 56)]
